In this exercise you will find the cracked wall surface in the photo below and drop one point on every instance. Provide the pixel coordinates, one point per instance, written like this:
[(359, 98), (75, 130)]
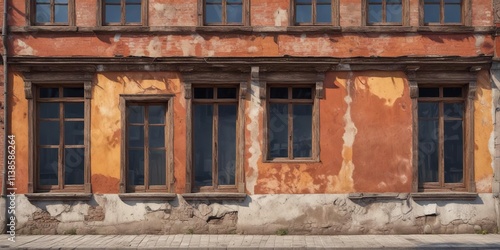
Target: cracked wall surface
[(257, 214)]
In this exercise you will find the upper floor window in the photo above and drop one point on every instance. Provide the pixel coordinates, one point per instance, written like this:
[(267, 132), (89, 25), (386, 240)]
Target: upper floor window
[(384, 12), (443, 11), (51, 12), (123, 12), (224, 12), (313, 12)]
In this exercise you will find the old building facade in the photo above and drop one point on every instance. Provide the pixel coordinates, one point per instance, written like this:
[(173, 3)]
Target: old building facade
[(253, 116)]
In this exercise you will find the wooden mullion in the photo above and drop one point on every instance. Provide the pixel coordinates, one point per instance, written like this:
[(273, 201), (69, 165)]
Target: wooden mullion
[(441, 145), (313, 10), (60, 170), (224, 12), (215, 160), (441, 19), (146, 147), (384, 11)]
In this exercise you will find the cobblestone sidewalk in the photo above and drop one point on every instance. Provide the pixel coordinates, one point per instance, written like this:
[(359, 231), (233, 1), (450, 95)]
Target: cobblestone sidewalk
[(468, 241)]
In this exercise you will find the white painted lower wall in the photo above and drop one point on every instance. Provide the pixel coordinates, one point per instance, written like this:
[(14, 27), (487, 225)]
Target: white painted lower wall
[(257, 214)]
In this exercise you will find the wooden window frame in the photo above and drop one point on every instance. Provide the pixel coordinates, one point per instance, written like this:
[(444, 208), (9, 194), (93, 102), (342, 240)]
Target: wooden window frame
[(102, 16), (245, 19), (32, 81), (215, 103), (292, 79), (445, 79), (31, 14), (335, 14), (215, 79), (405, 14), (466, 9), (163, 99)]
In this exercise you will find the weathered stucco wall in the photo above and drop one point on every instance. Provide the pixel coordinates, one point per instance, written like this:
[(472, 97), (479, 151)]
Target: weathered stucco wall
[(257, 214), (106, 126), (360, 117), (208, 45)]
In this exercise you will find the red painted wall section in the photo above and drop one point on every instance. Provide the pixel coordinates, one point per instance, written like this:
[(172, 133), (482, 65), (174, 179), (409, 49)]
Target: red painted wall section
[(105, 45), (366, 130)]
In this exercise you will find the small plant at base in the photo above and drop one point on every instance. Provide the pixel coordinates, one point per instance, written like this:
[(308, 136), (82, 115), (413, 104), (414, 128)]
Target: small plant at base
[(282, 232), (190, 231), (71, 232)]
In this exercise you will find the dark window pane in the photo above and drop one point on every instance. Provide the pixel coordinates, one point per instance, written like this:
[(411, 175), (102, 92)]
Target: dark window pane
[(136, 136), (48, 133), (303, 13), (428, 109), (74, 110), (133, 1), (156, 114), (431, 13), (113, 1), (48, 110), (112, 13), (452, 13), (394, 12), (48, 166), (278, 130), (202, 144), (428, 92), (73, 133), (42, 1), (323, 13), (61, 1), (135, 167), (214, 1), (49, 92), (303, 1), (133, 13), (74, 159), (374, 13), (452, 92), (213, 13), (73, 92), (226, 93), (203, 93), (156, 136), (279, 93), (61, 14), (43, 13), (302, 93), (428, 163), (135, 114), (157, 167), (302, 130), (227, 144), (234, 1), (453, 110), (323, 1), (453, 152), (234, 13)]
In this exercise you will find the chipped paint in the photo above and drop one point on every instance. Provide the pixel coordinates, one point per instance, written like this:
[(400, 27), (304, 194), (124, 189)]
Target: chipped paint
[(116, 38), (254, 110), (344, 181), (388, 89), (479, 43), (154, 47), (25, 49), (280, 17)]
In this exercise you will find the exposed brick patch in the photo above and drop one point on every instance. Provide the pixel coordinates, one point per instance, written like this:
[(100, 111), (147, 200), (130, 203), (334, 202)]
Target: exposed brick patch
[(95, 214)]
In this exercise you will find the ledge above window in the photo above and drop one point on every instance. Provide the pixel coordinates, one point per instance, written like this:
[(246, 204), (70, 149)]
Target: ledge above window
[(148, 196), (444, 196), (59, 196), (214, 196)]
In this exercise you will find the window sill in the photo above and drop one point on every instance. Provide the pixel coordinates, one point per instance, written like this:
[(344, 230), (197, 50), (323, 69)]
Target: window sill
[(147, 196), (221, 28), (214, 196), (59, 196), (444, 196), (44, 28), (313, 28), (291, 161), (378, 196), (446, 29)]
